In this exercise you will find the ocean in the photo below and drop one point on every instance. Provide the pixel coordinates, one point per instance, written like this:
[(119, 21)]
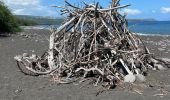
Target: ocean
[(150, 27), (142, 28)]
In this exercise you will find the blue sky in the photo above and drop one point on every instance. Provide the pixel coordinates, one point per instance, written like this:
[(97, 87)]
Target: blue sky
[(157, 9)]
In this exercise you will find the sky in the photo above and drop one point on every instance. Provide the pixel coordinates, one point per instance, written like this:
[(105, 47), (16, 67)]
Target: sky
[(139, 9)]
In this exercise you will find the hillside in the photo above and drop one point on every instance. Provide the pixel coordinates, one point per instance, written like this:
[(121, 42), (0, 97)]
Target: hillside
[(27, 20), (141, 20), (38, 20), (8, 22)]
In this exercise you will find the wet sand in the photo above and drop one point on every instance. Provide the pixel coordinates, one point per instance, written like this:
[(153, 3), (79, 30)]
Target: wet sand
[(16, 86)]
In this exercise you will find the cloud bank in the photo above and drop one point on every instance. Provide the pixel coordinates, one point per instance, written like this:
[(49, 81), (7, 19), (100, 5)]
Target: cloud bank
[(165, 10), (29, 7), (132, 11)]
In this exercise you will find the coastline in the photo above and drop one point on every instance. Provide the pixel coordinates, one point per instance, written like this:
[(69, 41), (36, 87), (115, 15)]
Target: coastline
[(16, 86), (48, 27)]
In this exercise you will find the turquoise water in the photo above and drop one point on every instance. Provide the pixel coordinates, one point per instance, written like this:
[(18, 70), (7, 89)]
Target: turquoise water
[(143, 28), (151, 28)]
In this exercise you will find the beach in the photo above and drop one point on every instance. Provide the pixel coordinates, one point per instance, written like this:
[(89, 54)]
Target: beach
[(14, 85)]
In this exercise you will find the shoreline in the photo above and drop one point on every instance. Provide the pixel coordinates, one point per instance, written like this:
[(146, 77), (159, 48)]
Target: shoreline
[(163, 35), (47, 27)]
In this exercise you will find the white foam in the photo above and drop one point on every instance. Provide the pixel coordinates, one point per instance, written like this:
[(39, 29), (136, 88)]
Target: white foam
[(143, 34), (35, 27), (48, 27)]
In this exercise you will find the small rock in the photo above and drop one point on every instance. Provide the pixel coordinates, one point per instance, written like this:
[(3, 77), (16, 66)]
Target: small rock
[(33, 51), (129, 78), (161, 49), (34, 57), (18, 91), (140, 78), (159, 66), (25, 55), (117, 74), (154, 69), (18, 58), (12, 40)]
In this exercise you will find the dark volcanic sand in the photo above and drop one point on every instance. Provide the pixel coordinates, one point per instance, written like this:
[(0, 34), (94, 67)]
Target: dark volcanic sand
[(16, 86)]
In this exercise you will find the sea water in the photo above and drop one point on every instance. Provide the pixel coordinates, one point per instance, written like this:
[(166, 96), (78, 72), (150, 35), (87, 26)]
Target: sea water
[(150, 27), (142, 28)]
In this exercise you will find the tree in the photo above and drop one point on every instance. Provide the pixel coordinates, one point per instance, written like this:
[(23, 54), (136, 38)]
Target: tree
[(8, 22)]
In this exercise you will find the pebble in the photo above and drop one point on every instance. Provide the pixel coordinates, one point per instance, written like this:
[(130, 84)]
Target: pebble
[(18, 58), (18, 90), (154, 69), (129, 78), (25, 55), (161, 49), (33, 51), (160, 67)]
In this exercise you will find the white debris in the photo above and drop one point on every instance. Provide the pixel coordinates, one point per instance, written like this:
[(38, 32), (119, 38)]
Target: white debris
[(18, 58), (25, 55), (130, 78), (159, 67)]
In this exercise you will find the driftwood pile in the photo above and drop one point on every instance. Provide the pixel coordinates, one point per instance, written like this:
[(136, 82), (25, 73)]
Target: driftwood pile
[(93, 43)]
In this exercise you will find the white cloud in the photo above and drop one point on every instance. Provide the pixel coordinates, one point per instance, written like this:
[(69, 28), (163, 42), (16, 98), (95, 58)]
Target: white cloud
[(153, 11), (18, 11), (165, 10), (132, 11), (22, 2), (29, 7)]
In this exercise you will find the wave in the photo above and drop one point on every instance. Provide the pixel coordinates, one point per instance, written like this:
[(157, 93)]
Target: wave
[(151, 34), (48, 27), (38, 27)]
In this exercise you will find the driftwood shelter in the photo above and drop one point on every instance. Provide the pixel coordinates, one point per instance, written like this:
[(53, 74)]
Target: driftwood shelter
[(93, 43)]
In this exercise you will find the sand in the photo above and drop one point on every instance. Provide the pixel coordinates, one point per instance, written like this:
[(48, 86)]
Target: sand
[(16, 86)]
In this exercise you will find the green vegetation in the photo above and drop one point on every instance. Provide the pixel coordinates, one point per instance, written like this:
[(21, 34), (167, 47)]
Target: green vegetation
[(8, 22), (38, 20), (26, 22)]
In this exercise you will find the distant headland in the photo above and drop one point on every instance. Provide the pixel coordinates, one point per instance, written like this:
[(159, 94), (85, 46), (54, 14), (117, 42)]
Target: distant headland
[(41, 20), (141, 20)]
